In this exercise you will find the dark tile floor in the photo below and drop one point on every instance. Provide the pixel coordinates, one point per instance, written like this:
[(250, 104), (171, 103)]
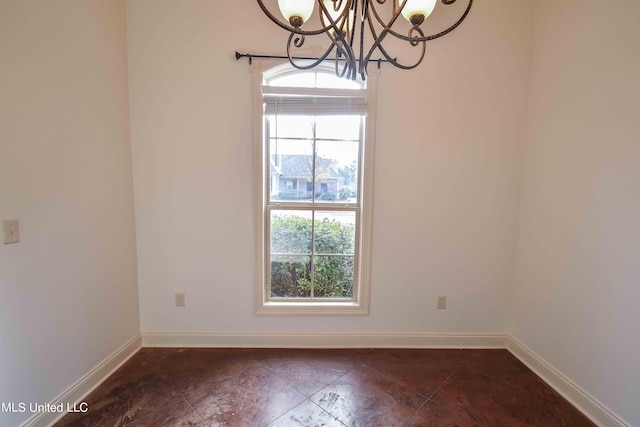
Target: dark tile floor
[(331, 388)]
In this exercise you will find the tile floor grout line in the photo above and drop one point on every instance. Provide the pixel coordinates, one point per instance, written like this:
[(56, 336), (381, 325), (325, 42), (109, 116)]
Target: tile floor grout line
[(404, 423), (328, 384), (194, 410), (271, 422), (313, 403), (439, 387), (328, 413), (392, 379)]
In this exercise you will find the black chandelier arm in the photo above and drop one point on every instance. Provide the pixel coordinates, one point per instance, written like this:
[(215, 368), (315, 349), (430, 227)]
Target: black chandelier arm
[(354, 20), (291, 28), (454, 26), (437, 35), (387, 26), (414, 41), (339, 37), (338, 42), (345, 49), (297, 37), (342, 19), (298, 42), (387, 29), (378, 39), (362, 65), (349, 64), (393, 61)]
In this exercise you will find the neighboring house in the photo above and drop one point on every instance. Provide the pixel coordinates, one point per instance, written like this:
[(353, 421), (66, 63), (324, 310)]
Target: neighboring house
[(292, 177)]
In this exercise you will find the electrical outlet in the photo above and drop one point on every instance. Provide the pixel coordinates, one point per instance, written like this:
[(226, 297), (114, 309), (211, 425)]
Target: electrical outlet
[(180, 300), (442, 303), (10, 231)]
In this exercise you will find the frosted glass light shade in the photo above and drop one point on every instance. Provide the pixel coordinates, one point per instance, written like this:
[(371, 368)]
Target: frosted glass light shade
[(296, 8), (418, 7), (334, 14)]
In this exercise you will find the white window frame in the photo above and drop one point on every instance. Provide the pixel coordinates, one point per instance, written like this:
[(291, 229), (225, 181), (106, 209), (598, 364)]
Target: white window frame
[(359, 305)]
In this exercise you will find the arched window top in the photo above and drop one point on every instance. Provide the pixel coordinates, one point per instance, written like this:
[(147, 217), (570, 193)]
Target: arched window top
[(322, 77)]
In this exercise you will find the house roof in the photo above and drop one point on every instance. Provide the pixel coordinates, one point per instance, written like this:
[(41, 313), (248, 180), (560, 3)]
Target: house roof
[(301, 166)]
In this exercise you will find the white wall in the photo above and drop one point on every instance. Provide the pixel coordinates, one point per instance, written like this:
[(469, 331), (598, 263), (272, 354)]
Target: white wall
[(69, 295), (446, 187), (576, 293)]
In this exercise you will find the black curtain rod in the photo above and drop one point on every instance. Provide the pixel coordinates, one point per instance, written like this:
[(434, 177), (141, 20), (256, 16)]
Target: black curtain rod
[(250, 56)]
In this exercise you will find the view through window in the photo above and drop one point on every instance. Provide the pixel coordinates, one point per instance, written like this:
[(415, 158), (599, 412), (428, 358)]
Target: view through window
[(314, 134)]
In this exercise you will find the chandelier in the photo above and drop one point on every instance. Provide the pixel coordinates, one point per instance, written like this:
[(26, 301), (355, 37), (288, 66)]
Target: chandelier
[(356, 30)]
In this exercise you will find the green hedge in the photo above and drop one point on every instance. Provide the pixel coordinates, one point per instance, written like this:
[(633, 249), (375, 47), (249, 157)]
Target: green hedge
[(291, 275)]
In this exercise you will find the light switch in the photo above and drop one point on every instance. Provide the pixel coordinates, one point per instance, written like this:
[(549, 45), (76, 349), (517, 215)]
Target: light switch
[(10, 231)]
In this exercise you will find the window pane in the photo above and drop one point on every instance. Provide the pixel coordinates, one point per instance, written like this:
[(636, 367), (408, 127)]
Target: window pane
[(336, 171), (290, 276), (291, 170), (290, 232), (334, 232), (310, 79), (333, 276), (297, 79), (330, 80), (300, 127), (338, 127)]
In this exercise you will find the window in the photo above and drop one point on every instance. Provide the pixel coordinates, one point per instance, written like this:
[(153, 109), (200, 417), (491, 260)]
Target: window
[(315, 148)]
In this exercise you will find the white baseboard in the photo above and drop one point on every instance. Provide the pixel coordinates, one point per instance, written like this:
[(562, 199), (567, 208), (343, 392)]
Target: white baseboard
[(582, 400), (287, 340), (86, 384)]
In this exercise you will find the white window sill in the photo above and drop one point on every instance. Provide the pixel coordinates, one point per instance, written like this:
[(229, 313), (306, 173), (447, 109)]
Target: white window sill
[(312, 308)]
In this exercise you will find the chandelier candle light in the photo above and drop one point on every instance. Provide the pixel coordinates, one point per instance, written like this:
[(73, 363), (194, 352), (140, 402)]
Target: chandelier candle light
[(347, 21)]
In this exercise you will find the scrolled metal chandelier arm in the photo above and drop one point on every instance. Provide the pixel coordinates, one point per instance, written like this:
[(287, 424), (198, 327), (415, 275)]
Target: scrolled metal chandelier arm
[(378, 39), (454, 26), (412, 38), (423, 37), (334, 31), (298, 42), (393, 61), (339, 21), (341, 35), (291, 28)]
